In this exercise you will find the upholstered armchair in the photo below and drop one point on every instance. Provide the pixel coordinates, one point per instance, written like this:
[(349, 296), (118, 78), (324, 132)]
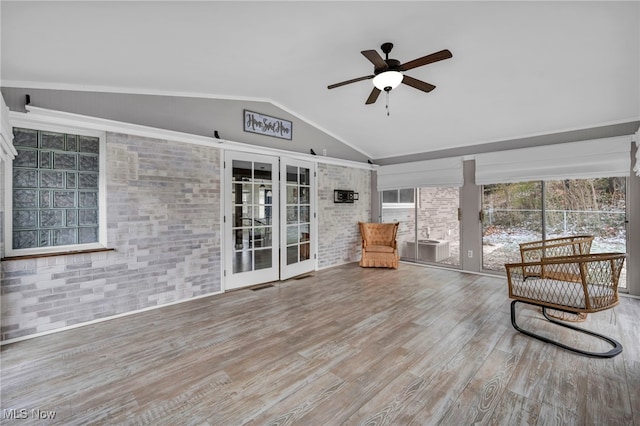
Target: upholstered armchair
[(379, 246)]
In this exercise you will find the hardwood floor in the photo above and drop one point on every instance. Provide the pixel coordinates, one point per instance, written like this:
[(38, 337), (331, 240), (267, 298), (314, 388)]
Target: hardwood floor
[(413, 346)]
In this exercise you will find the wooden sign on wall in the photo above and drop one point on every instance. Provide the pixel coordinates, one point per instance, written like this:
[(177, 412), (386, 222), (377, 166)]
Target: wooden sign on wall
[(266, 125)]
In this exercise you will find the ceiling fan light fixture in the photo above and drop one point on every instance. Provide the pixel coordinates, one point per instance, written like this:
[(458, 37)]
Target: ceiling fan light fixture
[(387, 79)]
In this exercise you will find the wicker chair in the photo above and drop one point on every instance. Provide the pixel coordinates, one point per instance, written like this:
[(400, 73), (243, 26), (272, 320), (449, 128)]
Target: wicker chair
[(574, 284), (535, 251), (379, 246)]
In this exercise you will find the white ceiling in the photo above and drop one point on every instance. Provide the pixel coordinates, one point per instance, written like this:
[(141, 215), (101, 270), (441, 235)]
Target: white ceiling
[(518, 69)]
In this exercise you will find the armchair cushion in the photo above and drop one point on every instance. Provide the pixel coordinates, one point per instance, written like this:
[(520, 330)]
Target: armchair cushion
[(380, 249)]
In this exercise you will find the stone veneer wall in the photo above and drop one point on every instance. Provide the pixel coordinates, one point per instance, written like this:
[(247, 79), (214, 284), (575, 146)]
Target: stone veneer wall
[(163, 214), (339, 236)]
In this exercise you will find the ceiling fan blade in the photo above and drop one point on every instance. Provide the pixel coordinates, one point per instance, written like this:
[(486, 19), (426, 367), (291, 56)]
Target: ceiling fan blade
[(418, 84), (375, 59), (373, 97), (367, 77), (434, 57)]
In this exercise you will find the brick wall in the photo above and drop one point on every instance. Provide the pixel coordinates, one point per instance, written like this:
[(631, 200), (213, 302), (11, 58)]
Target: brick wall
[(163, 214), (339, 240)]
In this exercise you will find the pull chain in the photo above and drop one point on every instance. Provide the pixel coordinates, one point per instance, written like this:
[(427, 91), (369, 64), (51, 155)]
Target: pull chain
[(388, 102)]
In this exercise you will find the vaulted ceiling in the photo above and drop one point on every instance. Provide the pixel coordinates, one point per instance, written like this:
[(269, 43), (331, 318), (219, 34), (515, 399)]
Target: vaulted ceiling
[(519, 69)]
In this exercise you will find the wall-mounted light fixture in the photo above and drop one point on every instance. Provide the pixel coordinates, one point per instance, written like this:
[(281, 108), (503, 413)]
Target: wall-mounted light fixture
[(344, 196)]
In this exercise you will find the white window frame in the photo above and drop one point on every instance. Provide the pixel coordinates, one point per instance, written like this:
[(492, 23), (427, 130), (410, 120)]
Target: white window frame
[(399, 205), (102, 193)]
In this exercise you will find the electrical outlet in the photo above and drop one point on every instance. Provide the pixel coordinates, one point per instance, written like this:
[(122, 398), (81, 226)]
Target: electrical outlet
[(470, 253), (324, 152)]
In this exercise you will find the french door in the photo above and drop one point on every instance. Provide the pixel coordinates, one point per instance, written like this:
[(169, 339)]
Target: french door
[(251, 219), (269, 219), (298, 226)]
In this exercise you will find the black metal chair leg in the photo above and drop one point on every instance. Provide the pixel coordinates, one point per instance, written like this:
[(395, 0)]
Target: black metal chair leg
[(616, 350)]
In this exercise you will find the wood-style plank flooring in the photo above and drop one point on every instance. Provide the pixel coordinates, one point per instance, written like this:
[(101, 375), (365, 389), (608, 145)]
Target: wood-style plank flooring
[(413, 346)]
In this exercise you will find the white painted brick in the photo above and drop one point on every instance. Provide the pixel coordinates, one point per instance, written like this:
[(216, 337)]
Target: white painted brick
[(340, 240), (150, 187)]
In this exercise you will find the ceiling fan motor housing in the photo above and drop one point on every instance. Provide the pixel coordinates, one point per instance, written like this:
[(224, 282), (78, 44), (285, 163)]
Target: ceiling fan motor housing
[(392, 65)]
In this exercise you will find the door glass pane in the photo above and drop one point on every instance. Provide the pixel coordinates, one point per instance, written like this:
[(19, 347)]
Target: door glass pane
[(263, 259), (242, 261), (512, 215), (241, 238), (292, 214), (589, 207), (305, 214), (292, 255), (305, 232), (268, 193), (247, 193), (260, 216), (292, 174), (304, 251), (262, 173), (305, 176), (262, 237), (438, 226), (292, 234), (258, 191), (292, 194), (304, 194), (241, 170)]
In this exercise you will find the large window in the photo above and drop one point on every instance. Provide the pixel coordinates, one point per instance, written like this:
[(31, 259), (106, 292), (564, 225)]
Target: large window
[(429, 229), (55, 198), (512, 214), (528, 211)]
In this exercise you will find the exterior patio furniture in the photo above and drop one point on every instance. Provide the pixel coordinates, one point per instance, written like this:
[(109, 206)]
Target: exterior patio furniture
[(577, 284)]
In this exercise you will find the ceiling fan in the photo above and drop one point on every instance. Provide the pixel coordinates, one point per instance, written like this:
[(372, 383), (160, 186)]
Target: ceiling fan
[(388, 73)]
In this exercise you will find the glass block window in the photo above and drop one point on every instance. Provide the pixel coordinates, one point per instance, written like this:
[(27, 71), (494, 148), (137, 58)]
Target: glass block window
[(55, 189)]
